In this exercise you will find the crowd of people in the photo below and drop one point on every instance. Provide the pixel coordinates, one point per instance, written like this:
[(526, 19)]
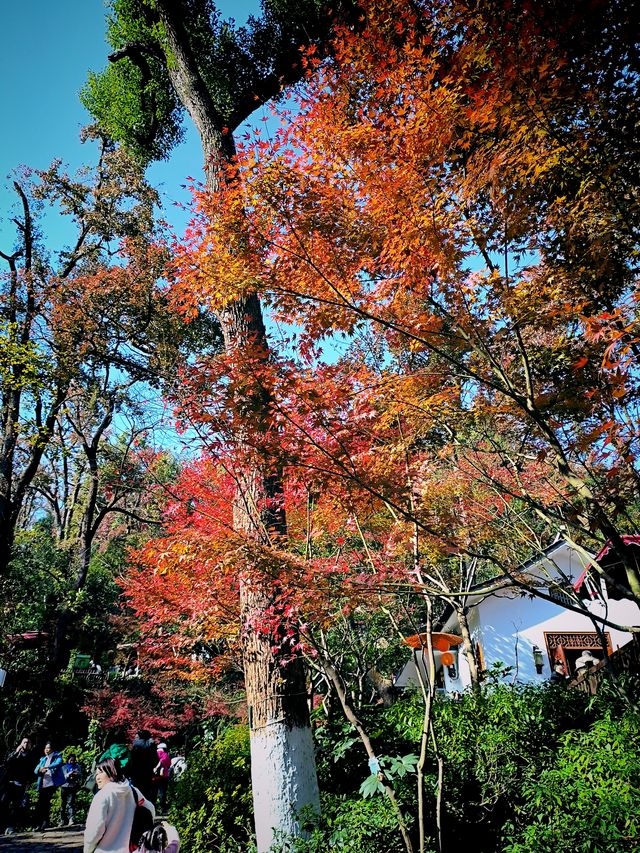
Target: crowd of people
[(128, 784)]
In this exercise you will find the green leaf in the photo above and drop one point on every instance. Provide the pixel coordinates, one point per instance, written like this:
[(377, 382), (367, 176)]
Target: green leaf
[(371, 786)]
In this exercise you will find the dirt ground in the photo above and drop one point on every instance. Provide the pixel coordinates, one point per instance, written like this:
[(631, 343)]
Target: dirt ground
[(67, 840)]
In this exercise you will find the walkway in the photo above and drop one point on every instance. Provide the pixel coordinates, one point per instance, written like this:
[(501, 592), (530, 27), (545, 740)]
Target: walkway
[(52, 841)]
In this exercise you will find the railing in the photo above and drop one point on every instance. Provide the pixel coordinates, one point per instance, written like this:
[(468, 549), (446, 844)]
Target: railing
[(97, 679), (626, 659), (89, 677)]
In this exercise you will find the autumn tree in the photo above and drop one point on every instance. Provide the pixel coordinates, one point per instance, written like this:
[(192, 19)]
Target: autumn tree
[(425, 199), (438, 189), (90, 341), (63, 314), (170, 57)]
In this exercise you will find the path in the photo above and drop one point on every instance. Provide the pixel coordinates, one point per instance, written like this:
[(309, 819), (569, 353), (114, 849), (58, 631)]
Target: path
[(52, 841)]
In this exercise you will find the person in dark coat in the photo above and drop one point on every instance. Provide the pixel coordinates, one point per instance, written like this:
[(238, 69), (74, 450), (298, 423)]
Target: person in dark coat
[(17, 773), (142, 761)]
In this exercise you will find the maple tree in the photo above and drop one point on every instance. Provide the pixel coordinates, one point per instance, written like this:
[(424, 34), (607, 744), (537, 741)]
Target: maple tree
[(433, 202), (438, 189), (171, 55), (343, 564)]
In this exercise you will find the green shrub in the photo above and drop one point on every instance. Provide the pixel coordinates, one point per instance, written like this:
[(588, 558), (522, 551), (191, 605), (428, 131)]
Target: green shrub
[(211, 803), (588, 800), (348, 825), (489, 741), (529, 768)]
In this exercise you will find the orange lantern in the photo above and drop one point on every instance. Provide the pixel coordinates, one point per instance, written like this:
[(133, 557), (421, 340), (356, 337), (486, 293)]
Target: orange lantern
[(447, 659), (440, 640)]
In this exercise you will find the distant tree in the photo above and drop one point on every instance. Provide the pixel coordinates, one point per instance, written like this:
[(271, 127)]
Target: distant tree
[(62, 316)]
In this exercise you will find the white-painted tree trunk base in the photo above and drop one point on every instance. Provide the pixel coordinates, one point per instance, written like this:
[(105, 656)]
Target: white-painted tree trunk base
[(283, 778)]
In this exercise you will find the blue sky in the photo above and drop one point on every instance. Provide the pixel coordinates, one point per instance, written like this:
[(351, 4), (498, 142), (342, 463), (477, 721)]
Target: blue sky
[(46, 49)]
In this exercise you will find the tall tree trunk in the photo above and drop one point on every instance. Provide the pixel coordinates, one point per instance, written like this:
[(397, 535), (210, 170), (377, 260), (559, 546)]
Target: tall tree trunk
[(7, 535), (14, 488), (283, 773), (282, 757)]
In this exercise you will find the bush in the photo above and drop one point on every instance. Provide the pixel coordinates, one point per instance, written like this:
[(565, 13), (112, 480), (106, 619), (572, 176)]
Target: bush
[(211, 803), (489, 741), (529, 768), (348, 825), (589, 798)]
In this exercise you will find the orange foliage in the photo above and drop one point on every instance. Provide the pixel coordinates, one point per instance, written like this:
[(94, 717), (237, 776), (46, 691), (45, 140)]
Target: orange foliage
[(446, 203)]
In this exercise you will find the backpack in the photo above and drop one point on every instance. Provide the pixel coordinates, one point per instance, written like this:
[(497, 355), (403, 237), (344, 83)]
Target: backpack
[(178, 766), (142, 820)]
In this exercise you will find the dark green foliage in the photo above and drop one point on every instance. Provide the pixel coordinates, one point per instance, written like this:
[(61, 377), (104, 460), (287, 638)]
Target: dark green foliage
[(348, 824), (36, 579), (523, 766), (42, 708), (536, 763), (341, 759), (40, 581), (133, 99), (588, 797), (35, 700), (489, 741), (211, 803)]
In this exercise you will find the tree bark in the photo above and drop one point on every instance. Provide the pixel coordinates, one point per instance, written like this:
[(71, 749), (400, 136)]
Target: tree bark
[(282, 758), (467, 643)]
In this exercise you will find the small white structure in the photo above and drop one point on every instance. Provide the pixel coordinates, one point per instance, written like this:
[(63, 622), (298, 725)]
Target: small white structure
[(530, 634)]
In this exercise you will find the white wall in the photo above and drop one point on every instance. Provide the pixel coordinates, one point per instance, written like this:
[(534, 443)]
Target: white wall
[(510, 626), (409, 678)]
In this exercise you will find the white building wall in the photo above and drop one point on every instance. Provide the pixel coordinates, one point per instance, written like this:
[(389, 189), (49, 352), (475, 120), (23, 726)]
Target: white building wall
[(510, 626)]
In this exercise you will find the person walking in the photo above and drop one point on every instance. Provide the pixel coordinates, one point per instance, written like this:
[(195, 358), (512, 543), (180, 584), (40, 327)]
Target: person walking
[(110, 817), (17, 773), (142, 762), (50, 777), (161, 777), (163, 838), (69, 790)]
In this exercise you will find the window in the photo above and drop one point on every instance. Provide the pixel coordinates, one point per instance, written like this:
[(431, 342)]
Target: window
[(568, 646)]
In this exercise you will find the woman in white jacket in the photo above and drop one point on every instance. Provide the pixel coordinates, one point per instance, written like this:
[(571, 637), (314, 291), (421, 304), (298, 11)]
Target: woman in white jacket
[(111, 812)]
